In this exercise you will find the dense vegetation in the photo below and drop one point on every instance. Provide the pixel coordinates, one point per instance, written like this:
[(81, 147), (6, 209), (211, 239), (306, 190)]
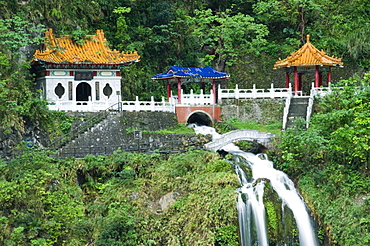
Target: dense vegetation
[(40, 202), (244, 38), (115, 200), (330, 162)]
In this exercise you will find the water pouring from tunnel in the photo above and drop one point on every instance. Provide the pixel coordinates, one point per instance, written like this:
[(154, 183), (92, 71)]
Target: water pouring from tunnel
[(253, 228)]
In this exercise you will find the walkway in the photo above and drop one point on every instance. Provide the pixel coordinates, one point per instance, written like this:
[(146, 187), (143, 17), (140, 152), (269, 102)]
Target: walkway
[(237, 135)]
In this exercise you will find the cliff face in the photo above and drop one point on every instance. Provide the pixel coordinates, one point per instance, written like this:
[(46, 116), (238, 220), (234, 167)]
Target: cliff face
[(259, 109), (12, 138)]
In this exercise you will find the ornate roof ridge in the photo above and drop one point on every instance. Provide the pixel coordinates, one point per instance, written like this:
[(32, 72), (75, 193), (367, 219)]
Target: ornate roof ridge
[(94, 50), (308, 55)]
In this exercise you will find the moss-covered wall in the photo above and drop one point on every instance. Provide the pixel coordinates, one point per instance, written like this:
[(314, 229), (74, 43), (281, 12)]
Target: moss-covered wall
[(258, 109)]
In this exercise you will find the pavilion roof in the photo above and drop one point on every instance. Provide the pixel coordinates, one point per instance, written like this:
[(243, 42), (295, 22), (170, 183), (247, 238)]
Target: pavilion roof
[(94, 50), (308, 56), (191, 72)]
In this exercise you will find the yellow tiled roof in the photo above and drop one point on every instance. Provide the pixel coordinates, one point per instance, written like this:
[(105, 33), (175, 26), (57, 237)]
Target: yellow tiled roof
[(307, 56), (93, 51)]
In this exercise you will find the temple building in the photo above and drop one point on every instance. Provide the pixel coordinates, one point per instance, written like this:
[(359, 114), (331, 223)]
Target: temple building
[(80, 77), (308, 59), (180, 76)]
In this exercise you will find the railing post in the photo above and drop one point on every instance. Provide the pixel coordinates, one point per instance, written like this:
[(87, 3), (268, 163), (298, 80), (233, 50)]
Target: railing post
[(163, 105), (272, 91), (254, 91), (181, 97), (191, 97), (236, 92), (152, 104), (313, 93), (219, 92), (201, 98), (137, 104)]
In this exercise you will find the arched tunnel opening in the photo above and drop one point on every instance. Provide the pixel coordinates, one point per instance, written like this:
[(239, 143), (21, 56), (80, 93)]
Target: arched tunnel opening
[(200, 118)]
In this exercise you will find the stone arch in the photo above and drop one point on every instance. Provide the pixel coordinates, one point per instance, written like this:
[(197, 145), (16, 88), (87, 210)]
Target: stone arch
[(261, 138), (200, 117), (83, 92)]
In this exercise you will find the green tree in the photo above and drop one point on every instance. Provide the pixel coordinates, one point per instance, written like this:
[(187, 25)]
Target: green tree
[(225, 38), (17, 98)]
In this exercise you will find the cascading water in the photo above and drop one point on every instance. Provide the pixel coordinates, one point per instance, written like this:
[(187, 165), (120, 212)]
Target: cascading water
[(251, 209)]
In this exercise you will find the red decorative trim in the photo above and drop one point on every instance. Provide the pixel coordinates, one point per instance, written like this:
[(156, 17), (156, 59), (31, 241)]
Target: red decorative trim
[(70, 73), (95, 73), (47, 73), (118, 73)]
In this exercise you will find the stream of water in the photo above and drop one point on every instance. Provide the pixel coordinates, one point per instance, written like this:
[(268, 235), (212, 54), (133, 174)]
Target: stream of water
[(250, 205)]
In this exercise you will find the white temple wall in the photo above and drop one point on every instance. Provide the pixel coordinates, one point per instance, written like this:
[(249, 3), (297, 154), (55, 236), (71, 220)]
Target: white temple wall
[(64, 92)]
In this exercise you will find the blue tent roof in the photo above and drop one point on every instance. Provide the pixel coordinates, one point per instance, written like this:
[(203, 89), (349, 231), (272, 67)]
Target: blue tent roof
[(191, 72)]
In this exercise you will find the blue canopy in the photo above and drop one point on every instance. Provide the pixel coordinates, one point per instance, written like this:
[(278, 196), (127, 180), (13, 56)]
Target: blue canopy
[(191, 72)]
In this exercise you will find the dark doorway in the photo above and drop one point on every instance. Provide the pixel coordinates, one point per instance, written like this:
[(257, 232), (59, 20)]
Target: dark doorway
[(200, 118), (83, 91)]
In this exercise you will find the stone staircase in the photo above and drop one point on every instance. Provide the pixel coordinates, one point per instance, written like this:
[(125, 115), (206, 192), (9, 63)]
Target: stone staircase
[(80, 129), (297, 109), (117, 131)]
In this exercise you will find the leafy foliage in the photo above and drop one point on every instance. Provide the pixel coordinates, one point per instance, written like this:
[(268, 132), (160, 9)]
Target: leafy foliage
[(115, 200), (228, 36), (330, 161)]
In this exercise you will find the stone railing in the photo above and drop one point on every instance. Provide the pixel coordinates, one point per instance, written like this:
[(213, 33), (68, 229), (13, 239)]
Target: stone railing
[(286, 112), (233, 136), (254, 93), (194, 99), (148, 105), (91, 106)]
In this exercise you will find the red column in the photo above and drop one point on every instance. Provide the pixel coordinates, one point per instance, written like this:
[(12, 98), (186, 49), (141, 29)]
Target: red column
[(214, 91), (287, 79), (179, 90), (320, 79), (329, 76), (168, 89), (317, 76), (295, 79)]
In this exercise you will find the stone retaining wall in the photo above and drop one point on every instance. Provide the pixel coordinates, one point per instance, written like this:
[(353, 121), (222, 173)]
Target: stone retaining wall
[(263, 110)]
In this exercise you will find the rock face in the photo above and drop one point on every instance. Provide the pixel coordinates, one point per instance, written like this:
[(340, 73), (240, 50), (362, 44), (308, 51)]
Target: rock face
[(258, 109), (167, 200), (32, 134)]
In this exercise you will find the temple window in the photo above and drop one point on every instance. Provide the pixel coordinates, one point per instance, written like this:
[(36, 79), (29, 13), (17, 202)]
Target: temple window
[(107, 91), (59, 90)]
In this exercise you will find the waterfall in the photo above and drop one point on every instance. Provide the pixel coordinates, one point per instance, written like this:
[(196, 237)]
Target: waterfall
[(250, 205)]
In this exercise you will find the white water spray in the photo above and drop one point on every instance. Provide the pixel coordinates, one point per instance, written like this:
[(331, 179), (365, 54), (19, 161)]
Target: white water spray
[(250, 196)]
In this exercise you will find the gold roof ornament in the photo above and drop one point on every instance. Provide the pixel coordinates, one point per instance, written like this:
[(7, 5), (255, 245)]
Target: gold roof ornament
[(308, 56), (94, 50)]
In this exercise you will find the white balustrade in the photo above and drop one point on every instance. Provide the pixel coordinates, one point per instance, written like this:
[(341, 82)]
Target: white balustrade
[(320, 91), (136, 105), (194, 99), (254, 93), (189, 99)]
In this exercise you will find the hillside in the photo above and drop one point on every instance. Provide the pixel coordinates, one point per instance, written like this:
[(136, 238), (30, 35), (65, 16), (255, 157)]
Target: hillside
[(115, 200), (124, 199), (330, 162)]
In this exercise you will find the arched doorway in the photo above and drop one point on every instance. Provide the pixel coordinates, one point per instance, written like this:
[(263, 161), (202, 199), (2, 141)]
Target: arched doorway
[(83, 91), (200, 118)]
